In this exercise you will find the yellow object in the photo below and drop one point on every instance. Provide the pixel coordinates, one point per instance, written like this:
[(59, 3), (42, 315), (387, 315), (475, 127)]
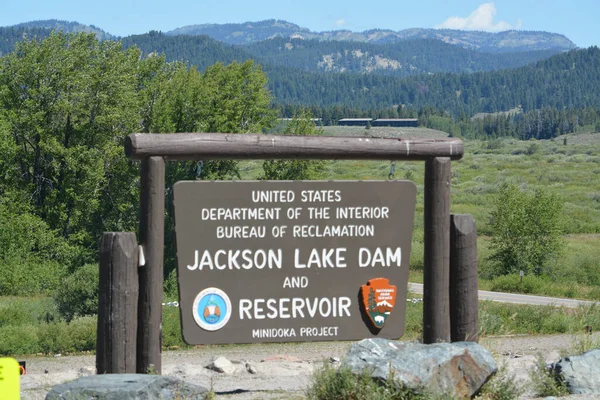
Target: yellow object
[(10, 379)]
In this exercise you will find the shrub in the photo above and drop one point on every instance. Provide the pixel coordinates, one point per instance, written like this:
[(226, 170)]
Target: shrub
[(545, 382), (501, 387), (28, 277), (78, 294), (171, 328), (302, 125), (17, 340), (82, 331), (328, 383), (17, 311), (171, 290), (512, 284), (526, 230), (55, 338)]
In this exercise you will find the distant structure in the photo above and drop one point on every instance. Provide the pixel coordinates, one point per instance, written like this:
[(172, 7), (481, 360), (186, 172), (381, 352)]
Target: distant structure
[(315, 120), (354, 121), (394, 122)]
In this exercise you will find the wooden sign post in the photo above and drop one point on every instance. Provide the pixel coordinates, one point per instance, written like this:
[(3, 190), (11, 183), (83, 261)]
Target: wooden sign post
[(153, 149)]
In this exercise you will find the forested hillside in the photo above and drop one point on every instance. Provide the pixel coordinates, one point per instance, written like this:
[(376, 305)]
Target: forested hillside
[(566, 80), (67, 27), (403, 58), (9, 36), (199, 51), (569, 80)]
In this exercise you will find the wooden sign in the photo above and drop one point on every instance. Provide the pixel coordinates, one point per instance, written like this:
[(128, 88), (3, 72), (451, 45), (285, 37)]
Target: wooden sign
[(292, 261)]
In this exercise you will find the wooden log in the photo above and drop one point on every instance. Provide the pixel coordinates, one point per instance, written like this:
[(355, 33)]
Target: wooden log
[(202, 146), (463, 279), (117, 304), (152, 221), (436, 274)]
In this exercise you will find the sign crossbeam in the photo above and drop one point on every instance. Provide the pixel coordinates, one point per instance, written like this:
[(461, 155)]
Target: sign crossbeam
[(202, 146)]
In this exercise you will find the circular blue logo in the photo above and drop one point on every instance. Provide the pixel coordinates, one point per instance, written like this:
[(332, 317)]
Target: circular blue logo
[(212, 309)]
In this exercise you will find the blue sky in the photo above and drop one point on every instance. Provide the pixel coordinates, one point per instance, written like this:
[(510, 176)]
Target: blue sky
[(579, 20)]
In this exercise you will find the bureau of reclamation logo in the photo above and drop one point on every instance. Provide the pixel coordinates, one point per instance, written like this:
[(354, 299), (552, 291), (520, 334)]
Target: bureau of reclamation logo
[(212, 309)]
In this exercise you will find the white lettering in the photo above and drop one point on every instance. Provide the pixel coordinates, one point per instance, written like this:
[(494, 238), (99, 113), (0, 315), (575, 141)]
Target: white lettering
[(295, 307), (223, 260)]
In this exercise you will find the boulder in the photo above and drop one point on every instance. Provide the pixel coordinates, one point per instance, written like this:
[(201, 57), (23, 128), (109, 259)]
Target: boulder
[(581, 373), (455, 369), (222, 365), (127, 387)]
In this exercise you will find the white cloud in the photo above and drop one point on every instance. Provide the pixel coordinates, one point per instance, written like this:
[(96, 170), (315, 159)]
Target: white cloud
[(481, 19), (340, 22)]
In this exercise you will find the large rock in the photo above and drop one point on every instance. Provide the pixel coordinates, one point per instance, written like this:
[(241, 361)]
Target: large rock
[(222, 365), (456, 369), (127, 387), (580, 373)]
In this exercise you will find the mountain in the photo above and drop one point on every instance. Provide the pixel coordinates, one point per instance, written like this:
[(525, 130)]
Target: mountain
[(566, 80), (248, 32), (11, 35), (395, 59), (508, 41), (200, 51), (65, 26), (408, 57)]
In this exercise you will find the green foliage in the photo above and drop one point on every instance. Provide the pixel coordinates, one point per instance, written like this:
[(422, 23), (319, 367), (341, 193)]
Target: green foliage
[(526, 230), (501, 387), (33, 258), (171, 328), (68, 103), (31, 325), (512, 284), (329, 383), (296, 169), (544, 381), (582, 344), (226, 99), (78, 293)]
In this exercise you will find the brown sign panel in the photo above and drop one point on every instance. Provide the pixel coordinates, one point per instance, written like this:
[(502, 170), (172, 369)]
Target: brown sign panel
[(292, 261)]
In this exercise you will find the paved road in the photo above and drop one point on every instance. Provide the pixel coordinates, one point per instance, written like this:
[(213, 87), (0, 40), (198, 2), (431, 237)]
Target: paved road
[(515, 298)]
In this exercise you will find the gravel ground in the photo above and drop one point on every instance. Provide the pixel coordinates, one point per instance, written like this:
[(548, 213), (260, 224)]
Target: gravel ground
[(282, 371)]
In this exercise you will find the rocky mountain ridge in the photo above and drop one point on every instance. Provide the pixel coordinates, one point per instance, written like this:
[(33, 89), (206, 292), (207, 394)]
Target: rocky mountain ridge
[(252, 32), (507, 41)]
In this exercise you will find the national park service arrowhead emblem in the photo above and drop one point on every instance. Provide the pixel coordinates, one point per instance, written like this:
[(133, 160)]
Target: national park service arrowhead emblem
[(379, 298)]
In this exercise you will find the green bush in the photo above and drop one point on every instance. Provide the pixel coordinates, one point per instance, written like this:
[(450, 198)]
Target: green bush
[(545, 382), (63, 337), (512, 284), (78, 293), (300, 125), (171, 328), (17, 311), (33, 258), (83, 333), (55, 338), (501, 387), (170, 287), (17, 340), (27, 277), (526, 231), (342, 384)]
